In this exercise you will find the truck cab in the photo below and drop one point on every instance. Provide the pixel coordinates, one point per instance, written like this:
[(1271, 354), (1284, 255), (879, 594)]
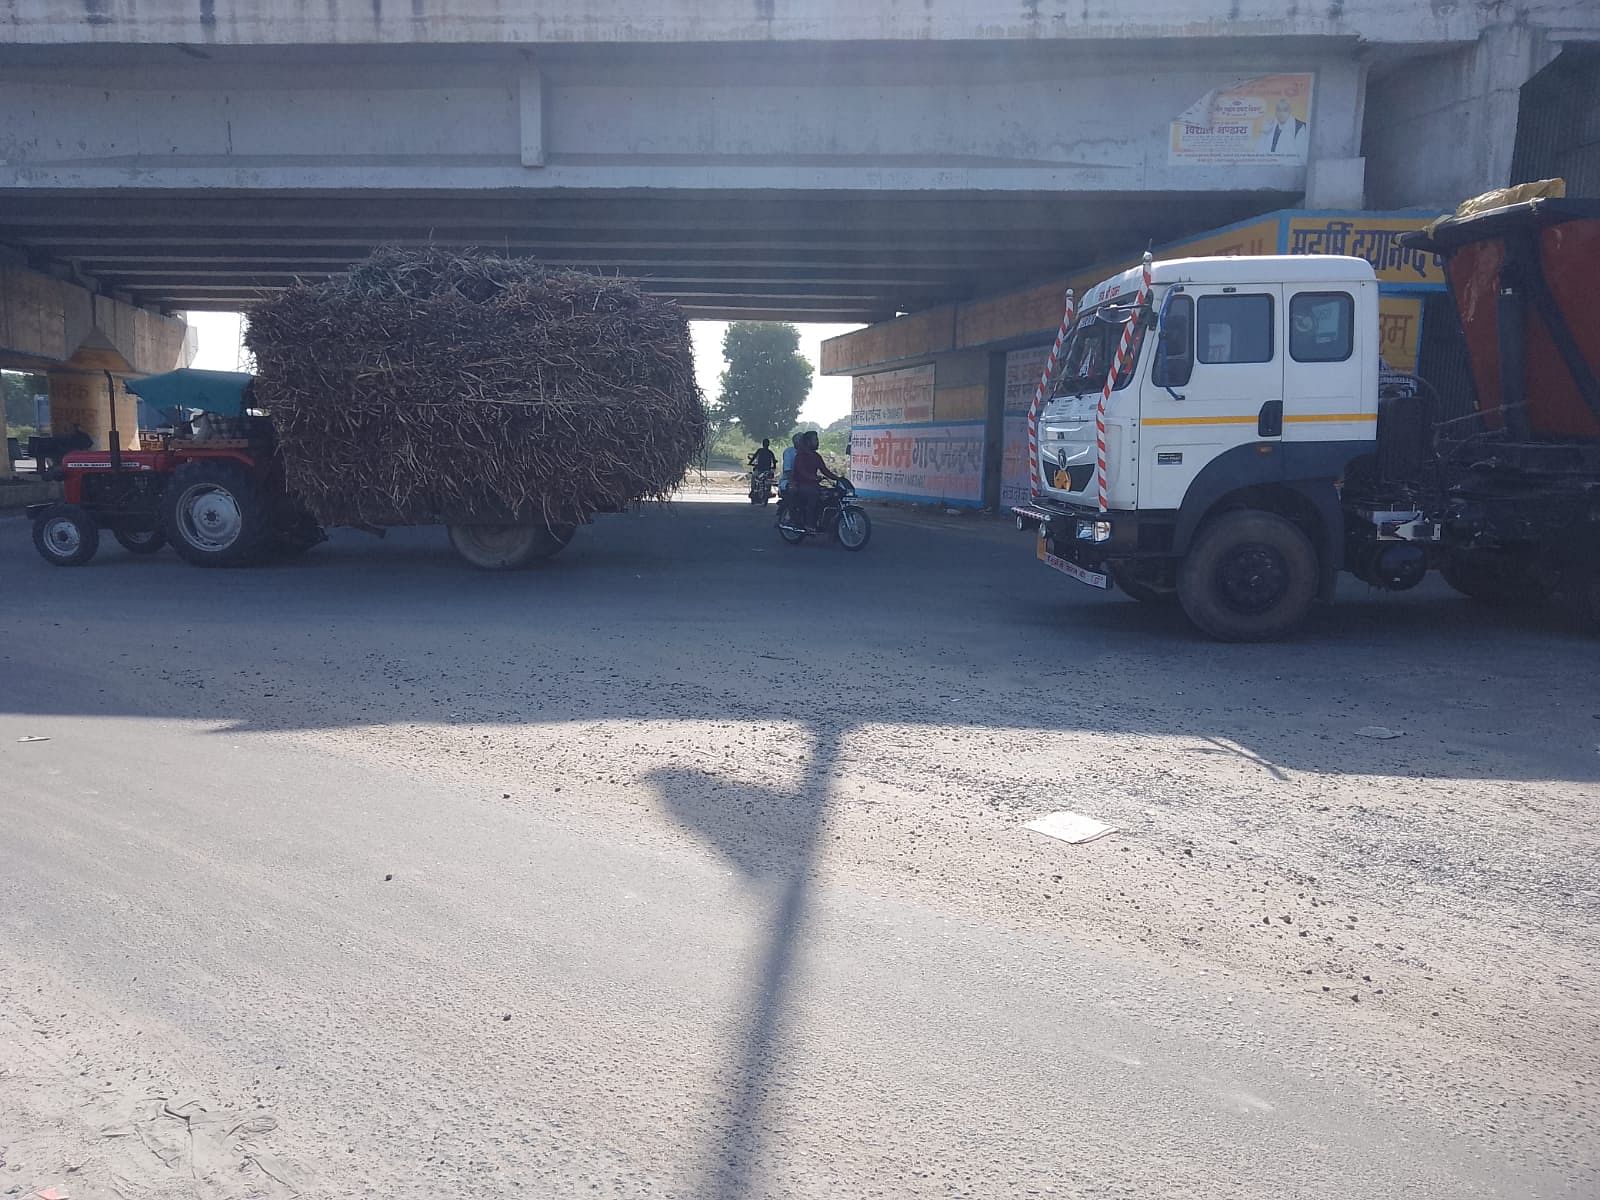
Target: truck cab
[(1248, 394)]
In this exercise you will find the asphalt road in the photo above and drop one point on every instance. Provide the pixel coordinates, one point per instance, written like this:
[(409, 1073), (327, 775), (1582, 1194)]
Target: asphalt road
[(692, 865)]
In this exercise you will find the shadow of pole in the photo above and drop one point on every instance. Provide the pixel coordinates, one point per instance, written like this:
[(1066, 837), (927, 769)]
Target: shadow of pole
[(738, 1147)]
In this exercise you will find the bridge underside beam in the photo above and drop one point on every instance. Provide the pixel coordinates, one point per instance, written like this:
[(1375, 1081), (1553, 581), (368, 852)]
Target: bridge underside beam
[(825, 256)]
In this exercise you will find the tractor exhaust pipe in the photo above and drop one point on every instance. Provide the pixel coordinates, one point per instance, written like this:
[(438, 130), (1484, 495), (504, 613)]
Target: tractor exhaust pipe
[(113, 436)]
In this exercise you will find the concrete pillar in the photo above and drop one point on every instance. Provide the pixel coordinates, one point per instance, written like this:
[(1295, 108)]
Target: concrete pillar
[(1443, 129), (79, 398), (1335, 170)]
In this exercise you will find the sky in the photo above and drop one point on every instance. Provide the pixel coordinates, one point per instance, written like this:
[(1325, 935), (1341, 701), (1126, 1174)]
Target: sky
[(220, 350)]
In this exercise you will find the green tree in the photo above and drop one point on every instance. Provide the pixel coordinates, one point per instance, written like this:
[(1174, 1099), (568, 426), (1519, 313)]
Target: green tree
[(19, 390), (766, 380)]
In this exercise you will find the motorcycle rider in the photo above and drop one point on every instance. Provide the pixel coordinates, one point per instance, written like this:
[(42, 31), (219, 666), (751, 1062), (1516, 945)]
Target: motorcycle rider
[(789, 452), (805, 486), (763, 459)]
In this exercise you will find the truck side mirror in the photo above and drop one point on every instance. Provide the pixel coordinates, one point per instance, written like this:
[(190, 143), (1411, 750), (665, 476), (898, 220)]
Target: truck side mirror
[(1174, 344)]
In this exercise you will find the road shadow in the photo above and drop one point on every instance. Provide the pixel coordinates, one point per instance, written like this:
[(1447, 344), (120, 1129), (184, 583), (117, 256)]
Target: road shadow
[(772, 836), (700, 615)]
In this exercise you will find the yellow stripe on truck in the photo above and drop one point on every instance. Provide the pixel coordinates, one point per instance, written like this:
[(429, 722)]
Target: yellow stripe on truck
[(1328, 417), (1301, 418), (1198, 421)]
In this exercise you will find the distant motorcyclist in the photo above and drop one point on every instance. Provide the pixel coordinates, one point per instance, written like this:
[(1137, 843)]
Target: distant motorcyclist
[(805, 481), (763, 459)]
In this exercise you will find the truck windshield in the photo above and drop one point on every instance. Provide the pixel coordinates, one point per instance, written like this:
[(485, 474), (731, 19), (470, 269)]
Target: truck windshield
[(1090, 349)]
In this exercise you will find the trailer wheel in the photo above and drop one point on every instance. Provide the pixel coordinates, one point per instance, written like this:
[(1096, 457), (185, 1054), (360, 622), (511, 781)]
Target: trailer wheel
[(1496, 584), (508, 547), (65, 535), (1149, 582), (1250, 576), (140, 541), (295, 537), (213, 515)]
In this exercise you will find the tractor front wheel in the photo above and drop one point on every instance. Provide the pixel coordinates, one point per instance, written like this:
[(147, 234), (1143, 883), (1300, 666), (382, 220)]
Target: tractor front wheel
[(508, 547), (213, 514), (65, 535)]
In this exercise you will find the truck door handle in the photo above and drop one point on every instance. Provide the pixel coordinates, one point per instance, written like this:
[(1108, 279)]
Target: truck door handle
[(1270, 422)]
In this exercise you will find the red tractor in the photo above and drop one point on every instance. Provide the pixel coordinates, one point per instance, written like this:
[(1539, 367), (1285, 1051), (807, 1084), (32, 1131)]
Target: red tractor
[(214, 489)]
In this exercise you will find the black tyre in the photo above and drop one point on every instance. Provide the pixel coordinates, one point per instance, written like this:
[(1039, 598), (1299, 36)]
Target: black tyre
[(508, 547), (214, 515), (854, 529), (788, 532), (1492, 581), (297, 536), (1250, 576), (65, 535), (1149, 582), (140, 541)]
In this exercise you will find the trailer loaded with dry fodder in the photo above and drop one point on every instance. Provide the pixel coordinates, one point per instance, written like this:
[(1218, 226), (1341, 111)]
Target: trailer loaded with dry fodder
[(507, 402)]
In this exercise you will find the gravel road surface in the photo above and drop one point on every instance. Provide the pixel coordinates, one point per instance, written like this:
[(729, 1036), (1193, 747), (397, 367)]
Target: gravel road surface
[(693, 865)]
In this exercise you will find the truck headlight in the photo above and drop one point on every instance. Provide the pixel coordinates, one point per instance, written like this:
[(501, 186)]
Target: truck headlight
[(1094, 531)]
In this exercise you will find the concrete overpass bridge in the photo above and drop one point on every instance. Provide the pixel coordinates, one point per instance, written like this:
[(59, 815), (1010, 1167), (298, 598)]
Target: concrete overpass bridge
[(809, 159)]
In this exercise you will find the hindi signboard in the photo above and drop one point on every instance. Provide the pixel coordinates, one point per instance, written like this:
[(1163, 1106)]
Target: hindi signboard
[(1022, 379), (1400, 331), (892, 397), (1376, 239), (941, 463), (1263, 121)]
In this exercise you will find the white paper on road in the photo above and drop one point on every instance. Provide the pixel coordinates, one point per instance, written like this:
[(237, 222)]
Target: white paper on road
[(1070, 827)]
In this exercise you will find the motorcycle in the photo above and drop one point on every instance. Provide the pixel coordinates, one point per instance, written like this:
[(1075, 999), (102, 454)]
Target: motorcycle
[(760, 486), (840, 514)]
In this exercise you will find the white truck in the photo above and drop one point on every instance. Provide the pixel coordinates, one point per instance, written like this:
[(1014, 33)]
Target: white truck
[(1250, 454), (1218, 491)]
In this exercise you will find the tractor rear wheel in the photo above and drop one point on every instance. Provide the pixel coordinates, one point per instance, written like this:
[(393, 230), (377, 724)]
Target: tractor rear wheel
[(509, 547), (65, 535), (140, 541), (213, 514)]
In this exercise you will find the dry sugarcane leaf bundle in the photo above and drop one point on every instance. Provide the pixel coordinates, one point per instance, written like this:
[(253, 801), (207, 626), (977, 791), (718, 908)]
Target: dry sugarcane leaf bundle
[(427, 385)]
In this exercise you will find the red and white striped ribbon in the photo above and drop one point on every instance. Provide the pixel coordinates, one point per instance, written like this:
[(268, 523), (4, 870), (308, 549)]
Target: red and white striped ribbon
[(1045, 377), (1124, 345)]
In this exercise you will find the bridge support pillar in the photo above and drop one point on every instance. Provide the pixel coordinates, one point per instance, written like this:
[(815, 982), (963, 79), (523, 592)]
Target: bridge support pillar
[(80, 398)]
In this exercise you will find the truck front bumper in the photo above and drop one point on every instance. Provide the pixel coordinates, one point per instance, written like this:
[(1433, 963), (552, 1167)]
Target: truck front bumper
[(1077, 540)]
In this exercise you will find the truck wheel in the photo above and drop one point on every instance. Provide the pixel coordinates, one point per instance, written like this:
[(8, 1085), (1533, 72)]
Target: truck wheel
[(65, 535), (1250, 576), (140, 541), (1497, 584), (213, 516), (1147, 582), (508, 547)]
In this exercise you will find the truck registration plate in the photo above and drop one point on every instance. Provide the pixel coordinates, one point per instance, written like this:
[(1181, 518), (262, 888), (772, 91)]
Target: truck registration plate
[(1093, 578)]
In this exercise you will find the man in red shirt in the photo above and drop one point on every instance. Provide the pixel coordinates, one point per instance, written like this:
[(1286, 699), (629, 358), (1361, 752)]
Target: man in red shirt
[(805, 487)]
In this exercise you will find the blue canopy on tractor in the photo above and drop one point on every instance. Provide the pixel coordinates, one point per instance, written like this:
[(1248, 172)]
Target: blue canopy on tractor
[(222, 393)]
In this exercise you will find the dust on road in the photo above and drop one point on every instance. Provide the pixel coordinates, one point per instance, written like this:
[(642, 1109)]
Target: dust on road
[(815, 766)]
